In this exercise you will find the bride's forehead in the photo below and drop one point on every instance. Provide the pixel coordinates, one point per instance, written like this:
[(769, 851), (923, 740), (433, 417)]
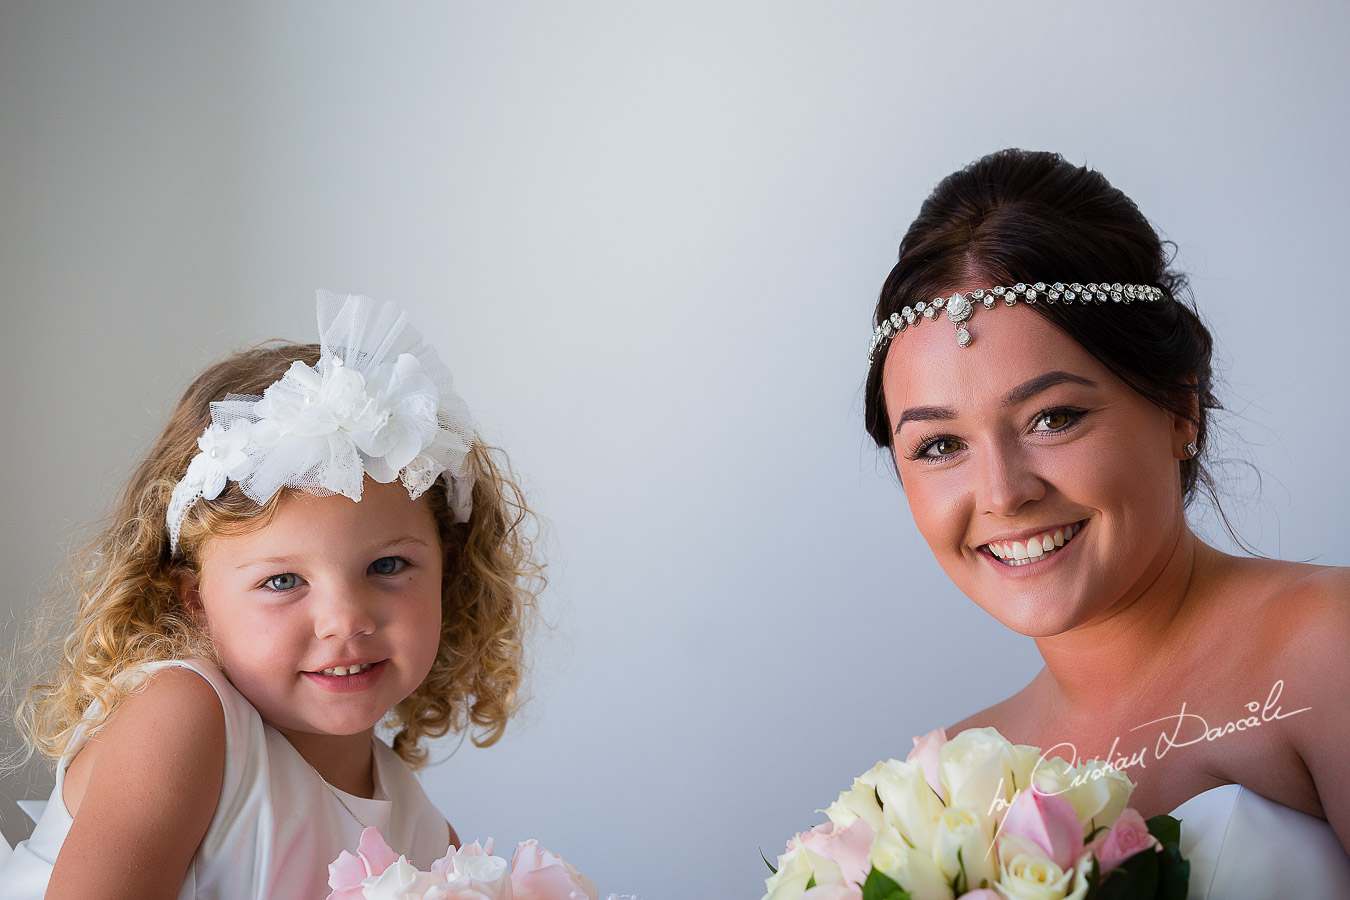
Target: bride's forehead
[(1010, 344)]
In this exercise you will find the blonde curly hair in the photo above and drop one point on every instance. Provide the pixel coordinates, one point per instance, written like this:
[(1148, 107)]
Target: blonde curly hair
[(130, 613)]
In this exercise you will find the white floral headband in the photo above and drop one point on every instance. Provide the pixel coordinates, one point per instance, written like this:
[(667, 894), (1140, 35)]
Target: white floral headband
[(380, 402)]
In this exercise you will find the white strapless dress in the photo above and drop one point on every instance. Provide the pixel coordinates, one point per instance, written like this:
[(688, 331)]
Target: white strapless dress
[(1245, 847)]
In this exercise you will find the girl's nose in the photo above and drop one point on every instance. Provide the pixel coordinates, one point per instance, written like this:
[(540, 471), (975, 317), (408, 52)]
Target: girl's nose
[(1007, 481), (345, 612)]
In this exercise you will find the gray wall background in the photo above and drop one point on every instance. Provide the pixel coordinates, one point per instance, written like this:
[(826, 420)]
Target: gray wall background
[(647, 238)]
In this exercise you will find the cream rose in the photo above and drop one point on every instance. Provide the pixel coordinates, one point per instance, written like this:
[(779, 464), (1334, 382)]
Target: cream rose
[(907, 801), (858, 802), (962, 842), (1028, 875), (796, 868), (912, 869), (982, 769)]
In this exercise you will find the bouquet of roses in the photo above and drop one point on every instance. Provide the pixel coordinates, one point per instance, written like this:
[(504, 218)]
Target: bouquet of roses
[(471, 872), (981, 818)]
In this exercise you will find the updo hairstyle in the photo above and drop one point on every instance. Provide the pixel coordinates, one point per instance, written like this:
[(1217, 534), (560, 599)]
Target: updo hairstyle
[(1023, 216)]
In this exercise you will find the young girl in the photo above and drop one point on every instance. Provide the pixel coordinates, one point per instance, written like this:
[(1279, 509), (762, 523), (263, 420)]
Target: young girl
[(315, 544)]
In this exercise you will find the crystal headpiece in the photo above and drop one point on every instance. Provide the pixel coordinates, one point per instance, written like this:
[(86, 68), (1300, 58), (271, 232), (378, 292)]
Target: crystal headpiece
[(379, 402), (960, 307)]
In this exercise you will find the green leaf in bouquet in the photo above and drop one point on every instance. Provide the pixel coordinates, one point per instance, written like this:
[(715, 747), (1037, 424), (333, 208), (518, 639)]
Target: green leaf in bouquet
[(1165, 828), (880, 886), (1174, 874), (1135, 878), (772, 867)]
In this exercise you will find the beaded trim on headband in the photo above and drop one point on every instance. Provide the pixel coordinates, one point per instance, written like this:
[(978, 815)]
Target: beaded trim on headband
[(379, 403), (960, 307)]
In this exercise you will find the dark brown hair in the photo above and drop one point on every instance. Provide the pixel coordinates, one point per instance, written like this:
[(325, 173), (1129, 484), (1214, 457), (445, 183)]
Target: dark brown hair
[(1022, 216)]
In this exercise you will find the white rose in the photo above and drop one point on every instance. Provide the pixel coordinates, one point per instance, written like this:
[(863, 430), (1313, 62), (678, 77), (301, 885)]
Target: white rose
[(963, 842), (907, 802), (1097, 792), (1024, 761), (912, 869), (858, 802), (1030, 876), (489, 875), (1110, 789), (401, 881), (796, 868), (978, 768)]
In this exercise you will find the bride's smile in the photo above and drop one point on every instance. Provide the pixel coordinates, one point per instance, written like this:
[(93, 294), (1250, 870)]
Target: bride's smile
[(1039, 546)]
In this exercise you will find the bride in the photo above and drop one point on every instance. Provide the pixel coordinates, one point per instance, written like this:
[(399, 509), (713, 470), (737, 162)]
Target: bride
[(1048, 422)]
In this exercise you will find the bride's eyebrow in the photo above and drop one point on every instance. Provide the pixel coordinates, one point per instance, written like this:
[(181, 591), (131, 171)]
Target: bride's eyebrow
[(1033, 386), (1020, 394)]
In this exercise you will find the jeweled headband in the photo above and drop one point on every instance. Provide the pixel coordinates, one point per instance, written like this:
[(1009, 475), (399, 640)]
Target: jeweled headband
[(379, 402), (960, 307)]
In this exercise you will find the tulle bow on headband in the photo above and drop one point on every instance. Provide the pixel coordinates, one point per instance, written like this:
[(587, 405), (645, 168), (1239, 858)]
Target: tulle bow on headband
[(380, 402)]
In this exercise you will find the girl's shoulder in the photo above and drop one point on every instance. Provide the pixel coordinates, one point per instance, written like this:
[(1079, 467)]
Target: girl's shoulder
[(172, 711), (144, 792)]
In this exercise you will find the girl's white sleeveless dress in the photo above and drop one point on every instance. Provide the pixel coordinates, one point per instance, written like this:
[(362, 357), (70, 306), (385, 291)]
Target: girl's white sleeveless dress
[(276, 827), (1245, 847)]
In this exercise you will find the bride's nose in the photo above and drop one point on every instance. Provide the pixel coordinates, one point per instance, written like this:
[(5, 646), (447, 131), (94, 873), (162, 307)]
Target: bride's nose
[(345, 611), (1006, 480)]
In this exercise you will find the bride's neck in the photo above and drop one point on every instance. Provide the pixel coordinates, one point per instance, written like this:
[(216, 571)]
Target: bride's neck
[(1126, 654)]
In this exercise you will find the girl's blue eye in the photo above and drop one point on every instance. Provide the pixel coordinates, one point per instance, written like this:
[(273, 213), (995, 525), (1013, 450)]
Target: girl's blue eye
[(386, 565), (283, 582)]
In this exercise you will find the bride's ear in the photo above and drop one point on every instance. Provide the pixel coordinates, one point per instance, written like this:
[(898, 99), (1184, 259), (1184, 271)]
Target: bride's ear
[(1186, 427)]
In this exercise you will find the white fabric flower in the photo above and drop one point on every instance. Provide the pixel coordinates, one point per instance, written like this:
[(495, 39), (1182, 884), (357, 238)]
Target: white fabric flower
[(401, 419), (223, 455), (379, 402)]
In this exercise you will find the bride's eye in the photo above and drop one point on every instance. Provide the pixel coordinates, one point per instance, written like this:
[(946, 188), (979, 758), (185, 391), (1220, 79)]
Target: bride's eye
[(1053, 420), (387, 565), (936, 448), (283, 582)]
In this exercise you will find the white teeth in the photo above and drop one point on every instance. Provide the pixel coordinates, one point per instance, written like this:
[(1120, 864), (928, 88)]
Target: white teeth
[(1016, 553), (342, 671)]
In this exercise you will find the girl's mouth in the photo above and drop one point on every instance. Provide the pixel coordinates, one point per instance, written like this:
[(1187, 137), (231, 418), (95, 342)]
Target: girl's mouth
[(344, 671), (347, 678), (1035, 548)]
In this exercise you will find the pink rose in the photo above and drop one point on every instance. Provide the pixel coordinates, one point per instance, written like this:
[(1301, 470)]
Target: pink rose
[(1128, 836), (925, 753), (848, 847), (1047, 821), (833, 892), (373, 856), (981, 894), (537, 874)]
